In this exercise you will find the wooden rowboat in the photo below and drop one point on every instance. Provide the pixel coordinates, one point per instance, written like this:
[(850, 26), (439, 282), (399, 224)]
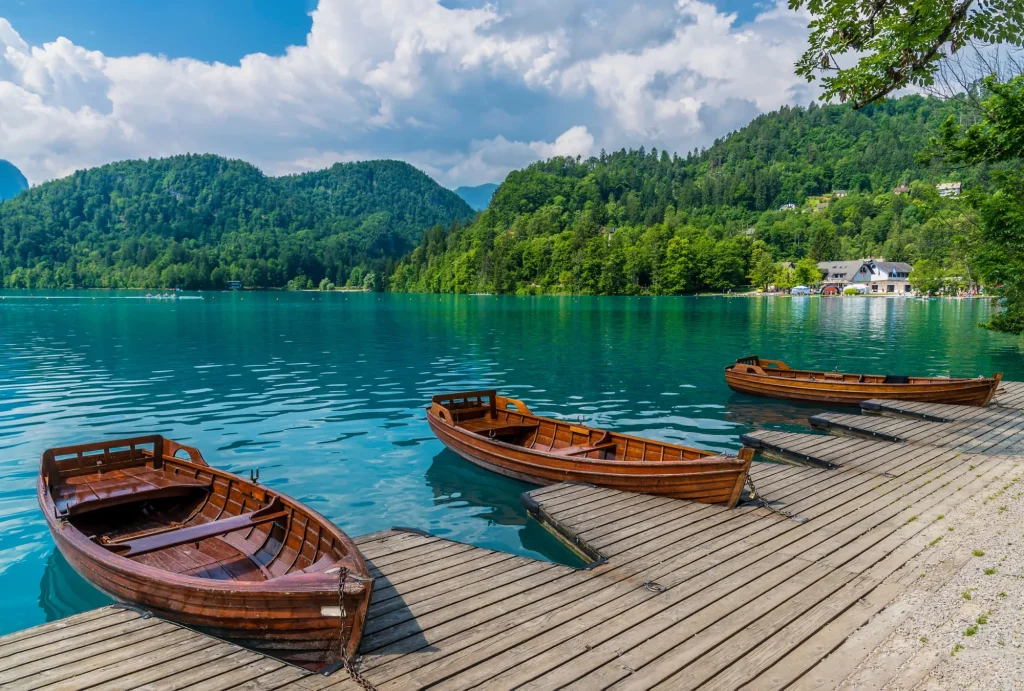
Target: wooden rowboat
[(758, 377), (502, 435), (206, 548)]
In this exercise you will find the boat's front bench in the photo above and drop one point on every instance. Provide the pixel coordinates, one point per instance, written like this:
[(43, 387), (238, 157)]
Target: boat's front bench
[(123, 486)]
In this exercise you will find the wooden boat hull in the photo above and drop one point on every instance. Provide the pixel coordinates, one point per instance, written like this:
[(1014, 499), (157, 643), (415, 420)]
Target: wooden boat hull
[(704, 476), (843, 389), (303, 618)]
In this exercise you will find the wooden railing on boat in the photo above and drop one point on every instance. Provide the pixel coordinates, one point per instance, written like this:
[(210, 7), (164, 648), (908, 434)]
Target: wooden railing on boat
[(454, 407)]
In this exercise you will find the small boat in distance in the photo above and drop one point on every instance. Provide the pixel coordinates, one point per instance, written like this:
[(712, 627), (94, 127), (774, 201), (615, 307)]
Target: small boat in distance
[(206, 548), (502, 435), (773, 378)]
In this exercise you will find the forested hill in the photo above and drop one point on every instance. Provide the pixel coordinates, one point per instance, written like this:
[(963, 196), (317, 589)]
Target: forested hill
[(647, 221), (198, 221)]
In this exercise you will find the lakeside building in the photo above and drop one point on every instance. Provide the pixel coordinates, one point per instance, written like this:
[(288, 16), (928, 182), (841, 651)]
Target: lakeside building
[(949, 189), (875, 275)]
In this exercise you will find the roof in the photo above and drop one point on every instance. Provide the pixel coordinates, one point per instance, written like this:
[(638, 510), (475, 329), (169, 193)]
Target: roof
[(849, 269), (840, 268), (889, 267)]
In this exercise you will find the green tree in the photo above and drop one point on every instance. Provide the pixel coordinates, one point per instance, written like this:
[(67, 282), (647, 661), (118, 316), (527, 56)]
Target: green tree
[(785, 279), (927, 277), (996, 140), (897, 43), (762, 268), (807, 272), (825, 246)]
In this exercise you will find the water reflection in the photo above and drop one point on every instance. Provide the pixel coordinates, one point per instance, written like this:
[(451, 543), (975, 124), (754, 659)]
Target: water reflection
[(790, 416), (458, 483), (62, 592)]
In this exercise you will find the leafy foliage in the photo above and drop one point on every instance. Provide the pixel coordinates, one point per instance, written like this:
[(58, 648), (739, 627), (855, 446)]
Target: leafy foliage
[(897, 43), (638, 221), (997, 141), (198, 221)]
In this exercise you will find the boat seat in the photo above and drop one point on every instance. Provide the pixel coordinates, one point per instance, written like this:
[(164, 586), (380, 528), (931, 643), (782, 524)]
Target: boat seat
[(124, 486), (469, 412), (505, 430), (580, 450), (274, 511)]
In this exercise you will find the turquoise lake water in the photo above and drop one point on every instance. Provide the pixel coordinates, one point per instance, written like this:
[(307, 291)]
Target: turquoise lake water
[(325, 393)]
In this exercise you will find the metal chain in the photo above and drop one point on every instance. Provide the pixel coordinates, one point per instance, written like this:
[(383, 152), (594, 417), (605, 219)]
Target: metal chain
[(756, 496), (357, 677), (346, 661)]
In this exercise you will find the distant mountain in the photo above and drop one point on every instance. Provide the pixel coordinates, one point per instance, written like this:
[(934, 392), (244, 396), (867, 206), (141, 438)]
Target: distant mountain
[(11, 180), (198, 221), (478, 197)]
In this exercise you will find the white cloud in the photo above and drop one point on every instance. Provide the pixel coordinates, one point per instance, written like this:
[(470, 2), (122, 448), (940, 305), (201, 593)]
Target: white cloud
[(464, 93), (576, 141)]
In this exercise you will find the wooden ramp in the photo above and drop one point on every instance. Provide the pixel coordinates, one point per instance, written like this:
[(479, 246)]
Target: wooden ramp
[(679, 595), (966, 429), (940, 412)]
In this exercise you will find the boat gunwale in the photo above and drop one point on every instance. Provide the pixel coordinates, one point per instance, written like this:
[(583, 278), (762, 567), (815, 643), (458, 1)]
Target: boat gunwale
[(730, 464), (702, 454), (834, 380), (292, 582), (714, 458)]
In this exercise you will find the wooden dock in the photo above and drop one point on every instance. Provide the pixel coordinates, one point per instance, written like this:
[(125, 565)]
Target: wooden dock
[(679, 595), (1010, 394)]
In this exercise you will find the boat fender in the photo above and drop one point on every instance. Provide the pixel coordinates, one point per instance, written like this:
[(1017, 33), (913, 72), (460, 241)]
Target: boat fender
[(529, 503), (752, 442)]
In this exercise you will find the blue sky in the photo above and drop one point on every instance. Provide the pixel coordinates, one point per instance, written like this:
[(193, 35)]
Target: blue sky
[(223, 30), (464, 90)]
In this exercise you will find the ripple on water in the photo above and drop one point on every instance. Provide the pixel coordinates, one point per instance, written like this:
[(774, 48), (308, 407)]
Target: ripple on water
[(329, 403)]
